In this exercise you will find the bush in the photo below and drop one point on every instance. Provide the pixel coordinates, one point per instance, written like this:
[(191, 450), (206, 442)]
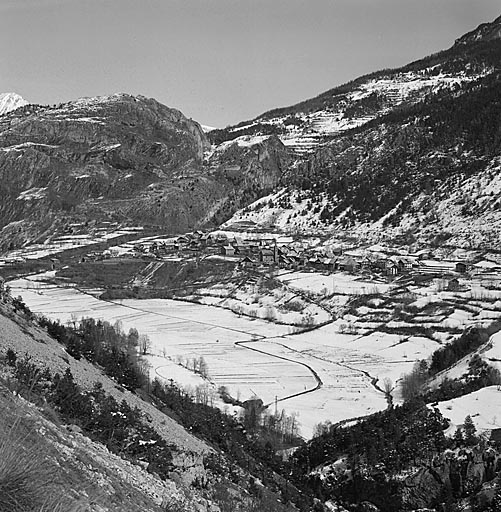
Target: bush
[(27, 480)]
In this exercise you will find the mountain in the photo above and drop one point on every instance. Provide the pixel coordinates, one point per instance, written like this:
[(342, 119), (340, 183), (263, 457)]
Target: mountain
[(122, 158), (414, 156), (410, 154), (306, 125), (10, 101), (484, 32)]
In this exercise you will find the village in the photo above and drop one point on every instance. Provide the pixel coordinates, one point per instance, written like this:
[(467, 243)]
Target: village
[(274, 250)]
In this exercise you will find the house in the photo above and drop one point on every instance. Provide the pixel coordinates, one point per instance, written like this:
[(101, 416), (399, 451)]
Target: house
[(248, 262), (461, 267), (367, 262), (194, 244), (436, 267), (315, 262), (228, 250), (181, 240), (206, 239), (2, 284), (347, 264), (267, 256), (390, 268), (298, 260), (330, 263), (453, 285), (242, 249), (169, 246), (325, 263)]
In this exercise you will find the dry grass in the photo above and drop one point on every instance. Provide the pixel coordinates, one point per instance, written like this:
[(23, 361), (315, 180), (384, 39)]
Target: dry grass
[(28, 482)]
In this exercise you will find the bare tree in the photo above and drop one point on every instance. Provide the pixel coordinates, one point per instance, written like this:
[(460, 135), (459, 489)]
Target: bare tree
[(144, 344), (387, 385), (203, 368), (132, 339), (203, 394)]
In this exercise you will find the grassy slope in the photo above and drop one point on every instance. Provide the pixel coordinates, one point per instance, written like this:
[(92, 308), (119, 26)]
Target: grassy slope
[(60, 470), (25, 338)]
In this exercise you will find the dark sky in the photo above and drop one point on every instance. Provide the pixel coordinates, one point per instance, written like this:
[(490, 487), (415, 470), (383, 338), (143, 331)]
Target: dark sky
[(218, 61)]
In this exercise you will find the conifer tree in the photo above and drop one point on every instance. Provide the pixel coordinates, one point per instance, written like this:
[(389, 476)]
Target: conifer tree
[(469, 431)]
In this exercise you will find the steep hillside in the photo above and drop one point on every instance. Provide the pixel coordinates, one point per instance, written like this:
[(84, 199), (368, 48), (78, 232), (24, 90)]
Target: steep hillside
[(313, 122), (123, 158), (425, 169), (105, 446)]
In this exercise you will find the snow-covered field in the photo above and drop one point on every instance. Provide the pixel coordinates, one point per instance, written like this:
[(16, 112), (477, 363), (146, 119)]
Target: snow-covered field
[(484, 407), (63, 243), (342, 283), (181, 330), (250, 356)]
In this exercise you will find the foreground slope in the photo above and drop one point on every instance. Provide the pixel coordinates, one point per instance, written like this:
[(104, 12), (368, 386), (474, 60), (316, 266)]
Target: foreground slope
[(114, 443)]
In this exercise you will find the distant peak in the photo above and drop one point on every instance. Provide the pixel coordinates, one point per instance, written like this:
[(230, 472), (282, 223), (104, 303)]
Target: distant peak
[(484, 32), (10, 101), (207, 129)]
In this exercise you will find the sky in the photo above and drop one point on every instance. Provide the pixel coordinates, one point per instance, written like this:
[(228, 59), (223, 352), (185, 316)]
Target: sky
[(218, 61)]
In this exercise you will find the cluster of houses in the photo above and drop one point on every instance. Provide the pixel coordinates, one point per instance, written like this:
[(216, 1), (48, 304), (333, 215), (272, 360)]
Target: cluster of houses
[(273, 250), (281, 251)]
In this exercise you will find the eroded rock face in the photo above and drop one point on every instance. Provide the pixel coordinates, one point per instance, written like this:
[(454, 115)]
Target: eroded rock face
[(460, 473), (120, 157)]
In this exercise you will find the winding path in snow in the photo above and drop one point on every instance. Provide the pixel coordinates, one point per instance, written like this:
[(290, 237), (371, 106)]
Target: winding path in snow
[(271, 339), (246, 343)]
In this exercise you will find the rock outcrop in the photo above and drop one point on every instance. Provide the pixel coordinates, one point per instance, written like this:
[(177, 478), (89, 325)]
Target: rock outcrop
[(456, 473), (123, 158), (484, 32)]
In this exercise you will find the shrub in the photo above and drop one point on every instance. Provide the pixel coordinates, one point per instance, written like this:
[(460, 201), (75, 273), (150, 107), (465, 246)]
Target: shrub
[(11, 357), (27, 480)]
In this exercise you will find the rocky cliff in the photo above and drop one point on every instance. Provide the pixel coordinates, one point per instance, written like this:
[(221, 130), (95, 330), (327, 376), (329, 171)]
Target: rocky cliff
[(120, 157), (459, 473)]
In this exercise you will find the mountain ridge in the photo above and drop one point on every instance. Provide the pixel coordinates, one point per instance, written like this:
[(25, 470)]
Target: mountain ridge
[(485, 31), (308, 124), (131, 160), (433, 149), (120, 157)]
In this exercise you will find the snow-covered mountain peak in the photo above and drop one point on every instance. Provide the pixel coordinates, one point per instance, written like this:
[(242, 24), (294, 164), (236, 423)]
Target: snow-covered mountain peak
[(10, 101)]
